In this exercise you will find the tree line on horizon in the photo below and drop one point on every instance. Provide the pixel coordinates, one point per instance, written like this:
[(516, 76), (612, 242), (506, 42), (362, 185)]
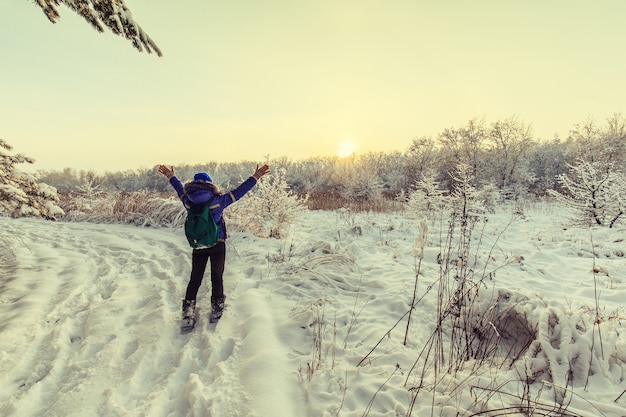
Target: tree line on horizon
[(476, 163), (502, 155)]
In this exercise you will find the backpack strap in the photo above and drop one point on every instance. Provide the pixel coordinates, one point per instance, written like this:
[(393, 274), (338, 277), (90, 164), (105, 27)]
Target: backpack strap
[(220, 222)]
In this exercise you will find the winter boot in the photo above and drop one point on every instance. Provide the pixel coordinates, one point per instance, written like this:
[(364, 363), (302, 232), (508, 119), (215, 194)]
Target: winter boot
[(189, 315), (217, 308)]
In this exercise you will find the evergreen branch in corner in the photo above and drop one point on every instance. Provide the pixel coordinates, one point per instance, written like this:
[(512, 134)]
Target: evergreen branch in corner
[(104, 13)]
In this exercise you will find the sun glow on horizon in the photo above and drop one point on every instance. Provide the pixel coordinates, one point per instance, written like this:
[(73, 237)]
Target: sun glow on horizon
[(346, 148)]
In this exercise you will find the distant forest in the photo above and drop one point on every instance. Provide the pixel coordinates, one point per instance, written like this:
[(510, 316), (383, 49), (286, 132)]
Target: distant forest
[(502, 155)]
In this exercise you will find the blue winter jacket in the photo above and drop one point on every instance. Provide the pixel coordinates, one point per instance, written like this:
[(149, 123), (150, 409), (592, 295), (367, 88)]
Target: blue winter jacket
[(194, 193)]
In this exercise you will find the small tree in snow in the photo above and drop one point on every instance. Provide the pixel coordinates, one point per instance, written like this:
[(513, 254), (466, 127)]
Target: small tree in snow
[(596, 191), (428, 197), (270, 209), (466, 201), (20, 194)]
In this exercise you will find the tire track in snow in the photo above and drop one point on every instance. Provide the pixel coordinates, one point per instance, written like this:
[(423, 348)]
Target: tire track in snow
[(84, 317)]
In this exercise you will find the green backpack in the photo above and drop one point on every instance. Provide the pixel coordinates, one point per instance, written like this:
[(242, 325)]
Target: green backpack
[(200, 228)]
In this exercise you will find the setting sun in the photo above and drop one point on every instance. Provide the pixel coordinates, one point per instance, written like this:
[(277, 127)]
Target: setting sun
[(346, 148)]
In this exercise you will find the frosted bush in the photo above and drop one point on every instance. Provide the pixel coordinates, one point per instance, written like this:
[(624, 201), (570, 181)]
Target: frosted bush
[(269, 209)]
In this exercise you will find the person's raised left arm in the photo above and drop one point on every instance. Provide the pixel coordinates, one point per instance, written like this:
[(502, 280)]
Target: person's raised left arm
[(167, 171), (260, 172)]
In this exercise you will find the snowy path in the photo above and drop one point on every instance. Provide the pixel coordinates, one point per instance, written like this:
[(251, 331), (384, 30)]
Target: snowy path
[(91, 329)]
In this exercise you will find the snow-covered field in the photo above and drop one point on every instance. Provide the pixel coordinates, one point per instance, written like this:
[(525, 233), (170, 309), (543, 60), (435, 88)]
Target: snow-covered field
[(89, 317)]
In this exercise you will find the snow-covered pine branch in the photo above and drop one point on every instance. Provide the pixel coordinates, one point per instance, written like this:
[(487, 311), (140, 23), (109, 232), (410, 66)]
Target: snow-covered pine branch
[(20, 194), (104, 13)]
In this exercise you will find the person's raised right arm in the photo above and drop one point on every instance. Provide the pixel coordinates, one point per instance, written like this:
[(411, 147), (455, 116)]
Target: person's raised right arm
[(173, 179)]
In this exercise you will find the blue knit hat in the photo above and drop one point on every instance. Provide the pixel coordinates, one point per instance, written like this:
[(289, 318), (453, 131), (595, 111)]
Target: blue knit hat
[(202, 176)]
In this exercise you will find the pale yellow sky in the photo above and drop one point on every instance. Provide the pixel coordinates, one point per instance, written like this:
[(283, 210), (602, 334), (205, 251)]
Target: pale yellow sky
[(240, 80)]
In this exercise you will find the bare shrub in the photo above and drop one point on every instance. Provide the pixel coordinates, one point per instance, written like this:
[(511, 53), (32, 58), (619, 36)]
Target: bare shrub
[(476, 327), (140, 208)]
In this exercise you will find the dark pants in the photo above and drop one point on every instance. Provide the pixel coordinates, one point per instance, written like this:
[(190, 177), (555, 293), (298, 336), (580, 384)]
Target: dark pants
[(199, 259)]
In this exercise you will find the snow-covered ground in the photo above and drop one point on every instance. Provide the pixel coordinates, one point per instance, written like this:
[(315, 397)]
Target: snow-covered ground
[(89, 317)]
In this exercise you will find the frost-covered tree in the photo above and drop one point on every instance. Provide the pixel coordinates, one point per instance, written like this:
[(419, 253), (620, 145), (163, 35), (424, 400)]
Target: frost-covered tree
[(20, 194), (101, 14), (583, 142), (421, 159), (387, 167), (510, 140), (313, 175), (596, 191), (614, 138), (594, 142), (465, 145), (546, 161)]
